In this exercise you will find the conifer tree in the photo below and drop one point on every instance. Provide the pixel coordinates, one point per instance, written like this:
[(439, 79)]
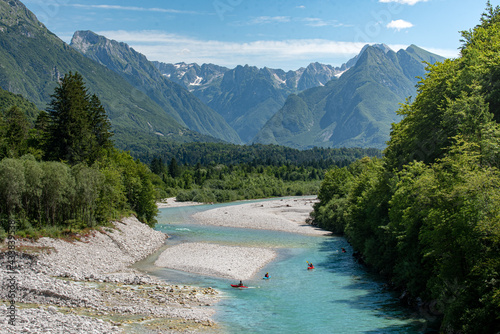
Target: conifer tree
[(173, 168), (39, 135), (100, 127), (79, 129)]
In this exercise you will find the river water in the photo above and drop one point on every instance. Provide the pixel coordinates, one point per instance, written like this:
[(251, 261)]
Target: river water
[(338, 296)]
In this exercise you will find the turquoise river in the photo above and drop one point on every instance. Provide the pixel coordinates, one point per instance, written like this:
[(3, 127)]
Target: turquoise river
[(339, 296)]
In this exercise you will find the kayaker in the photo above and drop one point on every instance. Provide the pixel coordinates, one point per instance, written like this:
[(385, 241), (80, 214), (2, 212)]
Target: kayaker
[(311, 265), (343, 250), (266, 275), (240, 284)]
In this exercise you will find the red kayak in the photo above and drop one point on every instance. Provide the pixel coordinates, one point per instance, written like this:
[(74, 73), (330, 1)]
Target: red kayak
[(238, 286), (309, 268)]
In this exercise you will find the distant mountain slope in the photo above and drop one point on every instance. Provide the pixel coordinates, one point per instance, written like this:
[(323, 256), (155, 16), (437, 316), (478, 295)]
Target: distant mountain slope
[(246, 96), (175, 100), (33, 59), (356, 110)]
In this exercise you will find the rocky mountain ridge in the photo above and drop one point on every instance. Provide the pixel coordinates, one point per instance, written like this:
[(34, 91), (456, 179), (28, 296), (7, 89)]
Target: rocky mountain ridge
[(355, 110), (318, 105), (135, 68)]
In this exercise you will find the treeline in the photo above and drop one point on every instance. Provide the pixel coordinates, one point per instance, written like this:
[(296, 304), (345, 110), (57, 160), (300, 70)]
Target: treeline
[(225, 183), (256, 154), (62, 173), (216, 172), (427, 215)]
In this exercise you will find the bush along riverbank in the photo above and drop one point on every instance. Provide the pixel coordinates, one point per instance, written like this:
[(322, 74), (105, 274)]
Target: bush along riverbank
[(427, 214)]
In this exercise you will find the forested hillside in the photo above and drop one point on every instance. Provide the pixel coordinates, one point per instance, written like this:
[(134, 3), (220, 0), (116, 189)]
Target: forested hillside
[(175, 100), (230, 154), (427, 215)]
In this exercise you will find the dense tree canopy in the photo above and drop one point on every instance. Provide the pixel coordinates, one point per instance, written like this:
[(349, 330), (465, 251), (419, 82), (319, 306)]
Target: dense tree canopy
[(427, 215)]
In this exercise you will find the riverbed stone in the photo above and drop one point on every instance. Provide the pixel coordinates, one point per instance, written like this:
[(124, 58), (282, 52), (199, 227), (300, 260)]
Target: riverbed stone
[(93, 276)]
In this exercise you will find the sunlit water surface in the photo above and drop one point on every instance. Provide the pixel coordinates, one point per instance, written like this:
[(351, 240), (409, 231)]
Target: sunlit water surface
[(339, 296)]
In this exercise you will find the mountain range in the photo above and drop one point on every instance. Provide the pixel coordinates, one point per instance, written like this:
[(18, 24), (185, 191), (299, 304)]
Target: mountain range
[(247, 96), (318, 105), (134, 67), (356, 110)]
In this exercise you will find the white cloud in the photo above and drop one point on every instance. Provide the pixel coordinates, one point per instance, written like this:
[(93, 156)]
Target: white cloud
[(447, 53), (399, 25), (316, 22), (308, 21), (131, 8), (403, 2), (285, 54), (270, 19)]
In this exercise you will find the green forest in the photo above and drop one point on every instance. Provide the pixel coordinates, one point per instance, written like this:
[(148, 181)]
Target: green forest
[(214, 172), (427, 214), (60, 172)]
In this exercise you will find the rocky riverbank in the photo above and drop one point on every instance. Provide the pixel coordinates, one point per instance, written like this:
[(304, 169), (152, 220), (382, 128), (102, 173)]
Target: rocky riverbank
[(286, 214), (87, 286)]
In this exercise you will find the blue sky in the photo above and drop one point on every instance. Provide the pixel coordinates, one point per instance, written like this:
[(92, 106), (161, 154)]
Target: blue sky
[(274, 33)]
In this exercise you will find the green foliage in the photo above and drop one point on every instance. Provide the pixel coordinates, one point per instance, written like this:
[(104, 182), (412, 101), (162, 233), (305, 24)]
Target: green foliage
[(51, 193), (427, 215), (220, 183), (330, 212), (12, 184), (229, 154), (100, 185), (79, 130), (213, 172), (14, 127), (9, 100)]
